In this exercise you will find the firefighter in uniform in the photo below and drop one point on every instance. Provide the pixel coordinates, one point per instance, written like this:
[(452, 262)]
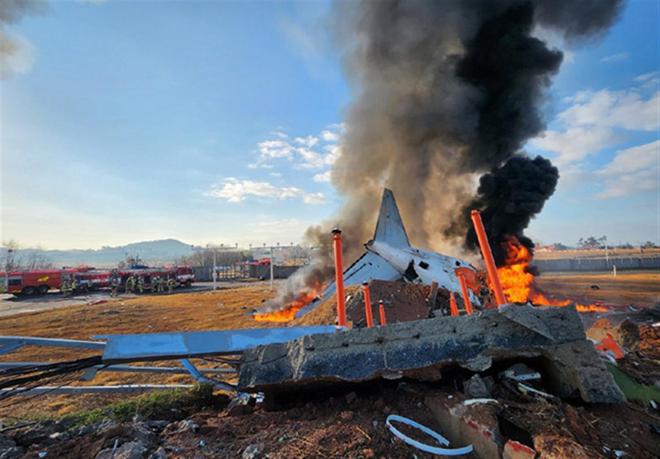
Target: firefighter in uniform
[(114, 284), (130, 284), (64, 288), (140, 284), (170, 285), (157, 285)]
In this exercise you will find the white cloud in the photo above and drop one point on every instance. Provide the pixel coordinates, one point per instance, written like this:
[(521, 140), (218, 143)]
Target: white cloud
[(616, 57), (616, 109), (632, 170), (575, 143), (322, 177), (306, 152), (330, 136), (235, 190), (649, 80)]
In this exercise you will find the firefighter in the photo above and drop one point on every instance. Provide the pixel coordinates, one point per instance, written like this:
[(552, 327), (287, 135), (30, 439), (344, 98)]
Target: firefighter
[(140, 284), (114, 284), (157, 285), (64, 288), (130, 284), (170, 285)]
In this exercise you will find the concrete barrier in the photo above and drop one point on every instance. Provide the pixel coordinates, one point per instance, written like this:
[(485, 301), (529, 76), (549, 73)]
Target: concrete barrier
[(597, 264)]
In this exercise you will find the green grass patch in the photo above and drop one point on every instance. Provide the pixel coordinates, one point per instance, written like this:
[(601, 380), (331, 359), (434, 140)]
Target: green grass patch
[(631, 388), (164, 405)]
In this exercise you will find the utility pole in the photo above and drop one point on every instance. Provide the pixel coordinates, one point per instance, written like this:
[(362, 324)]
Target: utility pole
[(215, 270), (271, 268)]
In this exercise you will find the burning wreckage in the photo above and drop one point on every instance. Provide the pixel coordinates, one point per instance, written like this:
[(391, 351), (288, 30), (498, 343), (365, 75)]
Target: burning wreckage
[(425, 338)]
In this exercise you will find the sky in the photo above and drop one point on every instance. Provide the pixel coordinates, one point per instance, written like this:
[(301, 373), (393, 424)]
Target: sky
[(218, 122)]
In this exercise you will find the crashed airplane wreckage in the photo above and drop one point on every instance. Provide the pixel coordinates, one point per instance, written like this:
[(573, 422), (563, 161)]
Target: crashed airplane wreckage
[(390, 257), (278, 361)]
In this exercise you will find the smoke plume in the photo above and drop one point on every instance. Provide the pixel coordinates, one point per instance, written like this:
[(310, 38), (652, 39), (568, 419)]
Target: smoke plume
[(446, 91), (15, 52)]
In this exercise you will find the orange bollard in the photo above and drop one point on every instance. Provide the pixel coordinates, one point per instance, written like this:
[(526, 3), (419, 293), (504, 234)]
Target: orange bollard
[(339, 278), (381, 310), (367, 305), (453, 307), (466, 296), (494, 279)]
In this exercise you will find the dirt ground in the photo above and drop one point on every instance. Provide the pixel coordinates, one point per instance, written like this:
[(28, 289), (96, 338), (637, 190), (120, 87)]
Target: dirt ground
[(637, 288)]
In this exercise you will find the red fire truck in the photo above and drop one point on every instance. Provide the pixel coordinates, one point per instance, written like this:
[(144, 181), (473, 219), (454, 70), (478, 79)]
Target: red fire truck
[(40, 281), (33, 282)]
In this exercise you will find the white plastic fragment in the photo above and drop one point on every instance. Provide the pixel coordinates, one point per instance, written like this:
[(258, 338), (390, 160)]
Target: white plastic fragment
[(477, 401), (525, 388), (423, 446)]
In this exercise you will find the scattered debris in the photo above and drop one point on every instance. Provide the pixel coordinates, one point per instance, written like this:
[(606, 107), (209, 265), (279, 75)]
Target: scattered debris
[(422, 446)]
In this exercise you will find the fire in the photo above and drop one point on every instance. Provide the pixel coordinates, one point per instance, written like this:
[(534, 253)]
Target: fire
[(518, 282), (288, 312)]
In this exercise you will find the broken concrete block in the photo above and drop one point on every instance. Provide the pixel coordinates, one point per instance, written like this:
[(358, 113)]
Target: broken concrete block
[(559, 447), (419, 349), (474, 425), (516, 450), (475, 387)]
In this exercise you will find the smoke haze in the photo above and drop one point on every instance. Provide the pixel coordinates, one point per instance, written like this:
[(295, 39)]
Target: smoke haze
[(444, 92)]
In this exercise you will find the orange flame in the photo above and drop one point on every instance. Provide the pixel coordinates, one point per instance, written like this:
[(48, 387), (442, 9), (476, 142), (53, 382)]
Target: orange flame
[(518, 282), (288, 312)]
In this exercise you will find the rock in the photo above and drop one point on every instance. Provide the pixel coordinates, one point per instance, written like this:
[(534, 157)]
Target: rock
[(60, 436), (516, 450), (156, 425), (139, 431), (35, 434), (160, 453), (253, 451), (185, 425), (555, 335), (11, 452), (559, 447), (129, 450), (6, 441), (350, 397), (240, 406), (346, 415), (475, 387)]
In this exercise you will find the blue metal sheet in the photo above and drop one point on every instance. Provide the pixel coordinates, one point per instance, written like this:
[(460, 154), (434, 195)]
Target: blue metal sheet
[(165, 346)]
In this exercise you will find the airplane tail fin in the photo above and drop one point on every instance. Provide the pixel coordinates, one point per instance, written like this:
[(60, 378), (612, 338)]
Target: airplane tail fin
[(390, 228)]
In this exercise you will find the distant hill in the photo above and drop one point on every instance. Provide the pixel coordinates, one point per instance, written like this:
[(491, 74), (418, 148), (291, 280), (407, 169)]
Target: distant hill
[(151, 252)]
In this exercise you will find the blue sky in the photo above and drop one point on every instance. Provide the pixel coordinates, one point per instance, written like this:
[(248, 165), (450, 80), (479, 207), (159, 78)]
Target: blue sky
[(218, 122)]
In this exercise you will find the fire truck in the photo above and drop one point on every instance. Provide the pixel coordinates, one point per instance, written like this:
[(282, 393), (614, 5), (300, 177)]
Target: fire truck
[(32, 282), (39, 282)]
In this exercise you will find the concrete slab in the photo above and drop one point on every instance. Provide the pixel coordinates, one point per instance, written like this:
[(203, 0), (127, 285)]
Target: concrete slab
[(413, 348)]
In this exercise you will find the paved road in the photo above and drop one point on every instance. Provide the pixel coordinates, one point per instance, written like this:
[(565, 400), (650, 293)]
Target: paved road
[(11, 305)]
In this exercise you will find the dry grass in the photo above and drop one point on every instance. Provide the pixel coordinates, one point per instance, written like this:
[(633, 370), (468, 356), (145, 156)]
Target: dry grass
[(223, 309), (596, 253)]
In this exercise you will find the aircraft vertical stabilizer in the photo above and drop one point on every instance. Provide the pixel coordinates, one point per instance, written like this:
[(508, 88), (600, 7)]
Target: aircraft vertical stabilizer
[(389, 228)]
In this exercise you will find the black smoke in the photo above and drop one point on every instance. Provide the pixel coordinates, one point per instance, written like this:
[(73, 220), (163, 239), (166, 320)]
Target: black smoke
[(444, 92), (508, 198)]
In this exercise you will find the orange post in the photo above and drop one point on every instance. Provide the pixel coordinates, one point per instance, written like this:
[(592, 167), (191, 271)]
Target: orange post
[(367, 305), (494, 279), (453, 307), (339, 278), (381, 310), (465, 293)]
